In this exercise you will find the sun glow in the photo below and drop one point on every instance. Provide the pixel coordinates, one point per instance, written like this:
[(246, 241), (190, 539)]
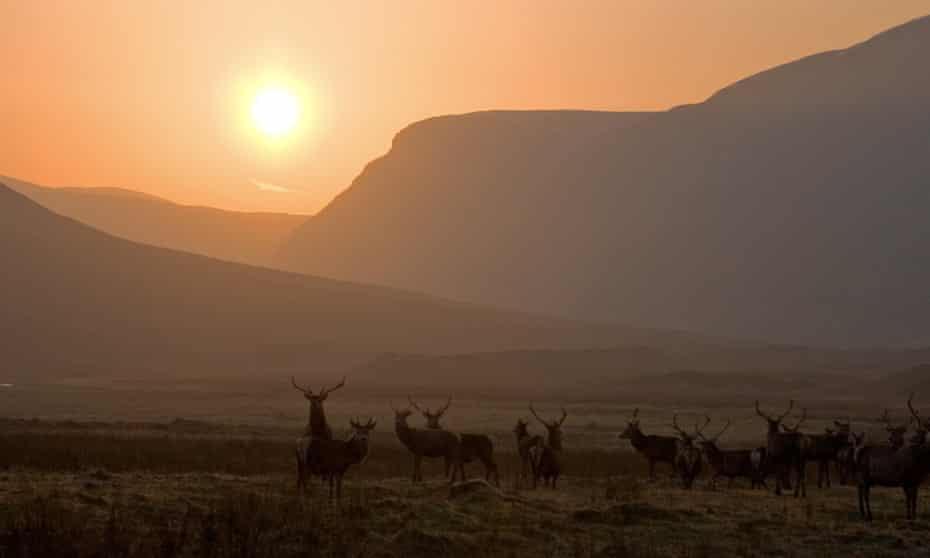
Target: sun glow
[(275, 111)]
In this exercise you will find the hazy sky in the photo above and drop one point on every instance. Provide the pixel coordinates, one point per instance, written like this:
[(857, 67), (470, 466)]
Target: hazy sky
[(155, 96)]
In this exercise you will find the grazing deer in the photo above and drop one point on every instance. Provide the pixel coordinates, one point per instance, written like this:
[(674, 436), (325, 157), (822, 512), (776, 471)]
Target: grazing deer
[(529, 447), (729, 463), (332, 458), (785, 451), (656, 449), (825, 449), (906, 467), (688, 460), (473, 446), (429, 443), (549, 466), (432, 418), (317, 426)]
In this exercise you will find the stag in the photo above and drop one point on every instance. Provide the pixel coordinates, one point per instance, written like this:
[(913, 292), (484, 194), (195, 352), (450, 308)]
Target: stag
[(529, 447), (688, 459), (473, 446), (549, 466), (823, 448), (317, 426), (827, 448), (656, 449), (332, 458), (785, 451), (316, 422), (895, 432), (432, 418), (430, 443), (905, 467), (730, 463)]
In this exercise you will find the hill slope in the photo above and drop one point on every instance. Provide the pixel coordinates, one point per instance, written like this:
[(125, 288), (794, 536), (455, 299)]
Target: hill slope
[(77, 301), (789, 206), (251, 238)]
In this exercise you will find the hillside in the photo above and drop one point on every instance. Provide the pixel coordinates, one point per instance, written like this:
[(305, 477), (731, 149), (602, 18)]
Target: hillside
[(789, 207), (80, 302), (251, 238)]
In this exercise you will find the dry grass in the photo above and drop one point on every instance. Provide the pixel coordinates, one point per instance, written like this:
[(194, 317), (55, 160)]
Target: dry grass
[(192, 489)]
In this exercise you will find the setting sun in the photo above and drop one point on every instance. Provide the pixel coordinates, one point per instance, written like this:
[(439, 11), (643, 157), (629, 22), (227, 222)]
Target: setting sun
[(275, 111)]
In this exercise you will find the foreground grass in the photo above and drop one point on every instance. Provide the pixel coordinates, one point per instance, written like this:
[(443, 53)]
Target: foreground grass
[(187, 489)]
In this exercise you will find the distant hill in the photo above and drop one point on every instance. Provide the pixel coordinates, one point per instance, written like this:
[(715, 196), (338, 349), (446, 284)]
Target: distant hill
[(77, 301), (790, 206), (251, 238), (686, 371)]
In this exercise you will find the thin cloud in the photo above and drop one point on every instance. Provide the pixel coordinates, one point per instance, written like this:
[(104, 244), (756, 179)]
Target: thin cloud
[(269, 187)]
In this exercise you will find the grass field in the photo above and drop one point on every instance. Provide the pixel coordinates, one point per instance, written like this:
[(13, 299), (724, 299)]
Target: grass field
[(194, 488)]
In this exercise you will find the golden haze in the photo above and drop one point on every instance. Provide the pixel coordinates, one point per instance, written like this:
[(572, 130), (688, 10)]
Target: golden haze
[(148, 95)]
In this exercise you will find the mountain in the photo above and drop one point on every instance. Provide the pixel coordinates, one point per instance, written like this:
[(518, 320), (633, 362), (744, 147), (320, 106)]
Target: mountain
[(251, 238), (77, 301), (790, 206)]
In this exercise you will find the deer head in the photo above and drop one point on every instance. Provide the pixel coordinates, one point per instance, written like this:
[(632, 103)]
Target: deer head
[(632, 427), (401, 415), (713, 440), (362, 431), (843, 428), (689, 437), (895, 432), (320, 396), (554, 428), (432, 418), (774, 422), (797, 425)]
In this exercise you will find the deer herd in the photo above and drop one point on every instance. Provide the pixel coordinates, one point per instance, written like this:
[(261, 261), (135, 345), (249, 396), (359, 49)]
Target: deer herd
[(901, 461)]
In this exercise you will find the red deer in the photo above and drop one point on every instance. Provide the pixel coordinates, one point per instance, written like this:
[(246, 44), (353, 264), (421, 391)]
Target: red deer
[(549, 466), (317, 426), (656, 449), (429, 443), (906, 467), (688, 459), (826, 449), (785, 452), (473, 446), (432, 418), (332, 458), (529, 448), (730, 463)]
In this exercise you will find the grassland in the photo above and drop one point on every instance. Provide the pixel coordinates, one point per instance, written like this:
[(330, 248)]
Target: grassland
[(183, 487)]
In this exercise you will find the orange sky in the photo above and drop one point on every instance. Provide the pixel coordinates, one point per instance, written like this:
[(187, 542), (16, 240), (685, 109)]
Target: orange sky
[(149, 96)]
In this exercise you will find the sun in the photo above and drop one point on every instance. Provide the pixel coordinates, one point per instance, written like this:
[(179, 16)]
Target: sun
[(275, 111)]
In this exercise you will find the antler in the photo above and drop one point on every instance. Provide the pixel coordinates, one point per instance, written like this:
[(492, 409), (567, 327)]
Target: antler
[(564, 416), (326, 391), (635, 414), (910, 406), (760, 413), (300, 389), (415, 406), (445, 408), (700, 431), (677, 428), (371, 423), (788, 412), (719, 434), (532, 410)]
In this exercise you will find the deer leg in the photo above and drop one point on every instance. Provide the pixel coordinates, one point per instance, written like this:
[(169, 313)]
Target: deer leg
[(652, 469), (867, 496), (448, 463), (330, 488), (859, 491)]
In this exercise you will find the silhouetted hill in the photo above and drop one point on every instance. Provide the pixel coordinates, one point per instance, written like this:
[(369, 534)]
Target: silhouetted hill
[(791, 206), (227, 235), (77, 301)]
